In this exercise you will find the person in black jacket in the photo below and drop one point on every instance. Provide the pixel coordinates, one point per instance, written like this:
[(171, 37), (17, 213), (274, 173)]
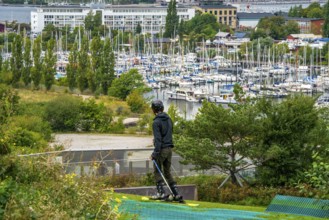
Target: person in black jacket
[(163, 144)]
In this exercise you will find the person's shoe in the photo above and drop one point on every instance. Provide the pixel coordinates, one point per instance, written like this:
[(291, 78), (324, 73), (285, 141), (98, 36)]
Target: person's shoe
[(158, 196), (160, 192), (178, 198)]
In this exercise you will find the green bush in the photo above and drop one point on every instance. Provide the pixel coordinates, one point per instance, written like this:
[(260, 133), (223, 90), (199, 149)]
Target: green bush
[(23, 138), (42, 190), (32, 108), (136, 102), (31, 123), (69, 113), (117, 127), (8, 103), (248, 195), (94, 117), (62, 113)]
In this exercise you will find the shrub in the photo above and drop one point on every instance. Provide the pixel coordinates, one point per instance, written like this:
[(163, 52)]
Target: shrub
[(42, 190), (23, 138), (31, 123), (117, 127), (136, 102), (94, 117), (32, 108), (8, 103), (62, 113)]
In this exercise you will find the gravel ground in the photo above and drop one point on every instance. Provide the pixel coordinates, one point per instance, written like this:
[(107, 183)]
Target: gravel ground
[(102, 141)]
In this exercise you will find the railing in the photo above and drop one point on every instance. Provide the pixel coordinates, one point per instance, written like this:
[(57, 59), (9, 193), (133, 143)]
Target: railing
[(115, 162)]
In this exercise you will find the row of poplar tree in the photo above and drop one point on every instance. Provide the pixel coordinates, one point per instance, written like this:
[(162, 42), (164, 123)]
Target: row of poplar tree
[(91, 64)]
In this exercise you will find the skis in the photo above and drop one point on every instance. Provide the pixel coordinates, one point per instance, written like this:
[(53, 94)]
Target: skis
[(169, 198)]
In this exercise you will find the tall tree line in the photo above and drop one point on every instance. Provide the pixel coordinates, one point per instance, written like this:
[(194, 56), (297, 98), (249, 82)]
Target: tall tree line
[(94, 71), (91, 65)]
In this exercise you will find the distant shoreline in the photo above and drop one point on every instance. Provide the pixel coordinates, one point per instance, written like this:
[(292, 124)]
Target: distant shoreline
[(19, 5)]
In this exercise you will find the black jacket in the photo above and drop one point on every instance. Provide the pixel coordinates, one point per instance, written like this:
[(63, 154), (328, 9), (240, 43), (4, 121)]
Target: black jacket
[(162, 131)]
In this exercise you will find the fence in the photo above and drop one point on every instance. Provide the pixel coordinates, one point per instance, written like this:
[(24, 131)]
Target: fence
[(119, 162)]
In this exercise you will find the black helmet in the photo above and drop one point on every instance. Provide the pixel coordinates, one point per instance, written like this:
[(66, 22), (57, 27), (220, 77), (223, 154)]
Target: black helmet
[(157, 106)]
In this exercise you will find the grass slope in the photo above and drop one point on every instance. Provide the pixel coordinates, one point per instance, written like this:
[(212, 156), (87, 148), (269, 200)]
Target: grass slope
[(267, 215)]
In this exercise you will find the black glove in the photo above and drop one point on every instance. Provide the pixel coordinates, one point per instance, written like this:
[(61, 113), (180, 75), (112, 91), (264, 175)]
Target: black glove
[(155, 155)]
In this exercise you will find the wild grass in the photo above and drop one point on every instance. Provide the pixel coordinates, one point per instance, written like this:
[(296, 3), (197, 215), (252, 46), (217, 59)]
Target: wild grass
[(117, 106)]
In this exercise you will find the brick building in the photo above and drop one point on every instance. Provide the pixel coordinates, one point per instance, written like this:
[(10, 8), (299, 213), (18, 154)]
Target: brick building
[(2, 27), (308, 25)]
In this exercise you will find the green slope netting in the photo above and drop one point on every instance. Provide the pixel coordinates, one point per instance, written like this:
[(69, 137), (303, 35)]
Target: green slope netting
[(167, 211), (299, 206)]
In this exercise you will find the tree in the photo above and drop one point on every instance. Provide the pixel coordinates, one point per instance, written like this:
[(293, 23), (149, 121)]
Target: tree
[(1, 61), (123, 86), (288, 134), (201, 27), (49, 65), (172, 20), (16, 60), (325, 27), (93, 23), (314, 9), (138, 29), (89, 21), (136, 102), (177, 120), (315, 13), (83, 65), (94, 75), (218, 138), (258, 33), (291, 27), (108, 64), (27, 60), (37, 63), (72, 67)]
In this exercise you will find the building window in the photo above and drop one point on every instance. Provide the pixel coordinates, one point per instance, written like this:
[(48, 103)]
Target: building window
[(216, 12), (230, 12), (220, 12), (210, 12), (225, 12)]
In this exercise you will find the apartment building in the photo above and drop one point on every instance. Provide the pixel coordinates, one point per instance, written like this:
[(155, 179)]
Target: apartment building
[(152, 18), (225, 14)]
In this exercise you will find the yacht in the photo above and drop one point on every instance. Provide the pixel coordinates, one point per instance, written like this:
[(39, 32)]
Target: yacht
[(323, 101)]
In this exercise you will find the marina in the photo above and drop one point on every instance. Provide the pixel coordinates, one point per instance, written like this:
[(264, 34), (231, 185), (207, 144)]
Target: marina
[(186, 76)]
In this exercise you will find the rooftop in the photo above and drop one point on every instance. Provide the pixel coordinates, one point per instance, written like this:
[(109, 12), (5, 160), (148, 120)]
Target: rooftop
[(215, 6), (303, 19), (244, 15)]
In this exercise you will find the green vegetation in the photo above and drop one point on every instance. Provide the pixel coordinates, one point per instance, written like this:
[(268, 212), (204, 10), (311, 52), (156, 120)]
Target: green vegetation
[(279, 138), (314, 10), (275, 27), (126, 83), (325, 26), (37, 187), (172, 20)]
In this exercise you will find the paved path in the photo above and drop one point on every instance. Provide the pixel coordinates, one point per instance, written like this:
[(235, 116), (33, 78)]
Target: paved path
[(101, 141)]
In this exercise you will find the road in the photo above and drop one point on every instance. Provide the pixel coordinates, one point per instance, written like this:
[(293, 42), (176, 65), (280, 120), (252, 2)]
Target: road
[(78, 142)]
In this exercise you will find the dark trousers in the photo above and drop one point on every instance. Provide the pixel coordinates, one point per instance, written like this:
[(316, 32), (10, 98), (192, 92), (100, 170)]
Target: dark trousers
[(164, 163)]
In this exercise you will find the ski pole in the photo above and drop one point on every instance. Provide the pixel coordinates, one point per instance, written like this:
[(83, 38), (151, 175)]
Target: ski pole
[(156, 165)]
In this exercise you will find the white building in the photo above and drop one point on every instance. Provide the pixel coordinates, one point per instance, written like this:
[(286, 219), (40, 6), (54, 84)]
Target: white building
[(124, 17)]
